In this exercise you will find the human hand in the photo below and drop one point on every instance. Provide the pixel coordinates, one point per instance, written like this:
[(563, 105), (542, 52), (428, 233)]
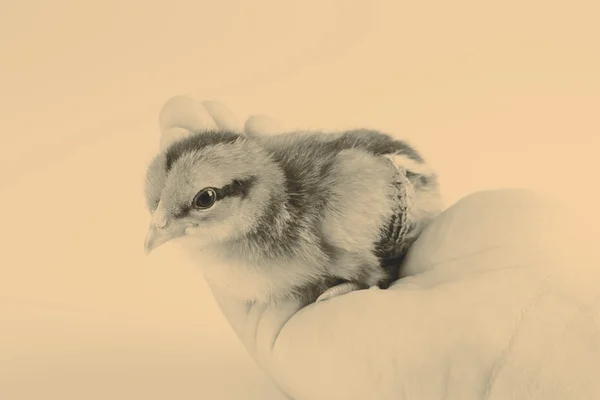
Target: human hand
[(484, 310)]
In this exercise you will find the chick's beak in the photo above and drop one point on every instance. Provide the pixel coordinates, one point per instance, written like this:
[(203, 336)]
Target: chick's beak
[(155, 238), (161, 230)]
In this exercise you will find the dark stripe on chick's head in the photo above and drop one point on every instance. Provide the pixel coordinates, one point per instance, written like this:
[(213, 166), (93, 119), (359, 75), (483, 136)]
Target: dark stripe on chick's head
[(237, 188), (197, 141)]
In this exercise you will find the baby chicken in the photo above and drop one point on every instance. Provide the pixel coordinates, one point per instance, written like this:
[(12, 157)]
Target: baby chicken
[(303, 214)]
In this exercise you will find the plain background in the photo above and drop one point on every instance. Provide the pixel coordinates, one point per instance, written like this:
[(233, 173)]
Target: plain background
[(496, 94)]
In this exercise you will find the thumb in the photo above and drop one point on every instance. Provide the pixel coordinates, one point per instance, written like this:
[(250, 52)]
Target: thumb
[(262, 125), (257, 325)]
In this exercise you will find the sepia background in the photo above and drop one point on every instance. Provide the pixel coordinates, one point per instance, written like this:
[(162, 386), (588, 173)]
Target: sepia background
[(496, 94)]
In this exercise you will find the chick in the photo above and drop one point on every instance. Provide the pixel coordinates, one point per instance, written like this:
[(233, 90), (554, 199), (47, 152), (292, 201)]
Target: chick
[(303, 214)]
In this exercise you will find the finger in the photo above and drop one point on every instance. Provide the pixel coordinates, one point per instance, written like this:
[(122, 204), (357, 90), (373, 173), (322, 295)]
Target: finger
[(256, 325), (224, 118), (180, 116), (170, 135), (185, 112), (262, 125)]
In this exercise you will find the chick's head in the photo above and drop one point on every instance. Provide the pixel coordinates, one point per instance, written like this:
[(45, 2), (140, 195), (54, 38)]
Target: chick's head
[(209, 187)]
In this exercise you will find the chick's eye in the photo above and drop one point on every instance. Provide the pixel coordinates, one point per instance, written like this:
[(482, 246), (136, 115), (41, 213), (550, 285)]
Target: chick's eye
[(204, 199)]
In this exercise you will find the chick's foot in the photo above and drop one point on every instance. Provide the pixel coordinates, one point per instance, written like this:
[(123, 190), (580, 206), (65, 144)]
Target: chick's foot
[(338, 290)]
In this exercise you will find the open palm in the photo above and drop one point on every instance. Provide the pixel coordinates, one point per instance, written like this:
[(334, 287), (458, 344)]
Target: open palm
[(500, 300)]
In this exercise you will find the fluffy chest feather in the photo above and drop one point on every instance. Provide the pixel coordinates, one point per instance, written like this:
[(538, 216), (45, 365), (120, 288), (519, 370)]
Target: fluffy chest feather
[(254, 281)]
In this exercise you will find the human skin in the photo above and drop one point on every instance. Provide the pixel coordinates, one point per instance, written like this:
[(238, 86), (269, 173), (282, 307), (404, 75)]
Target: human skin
[(476, 295)]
